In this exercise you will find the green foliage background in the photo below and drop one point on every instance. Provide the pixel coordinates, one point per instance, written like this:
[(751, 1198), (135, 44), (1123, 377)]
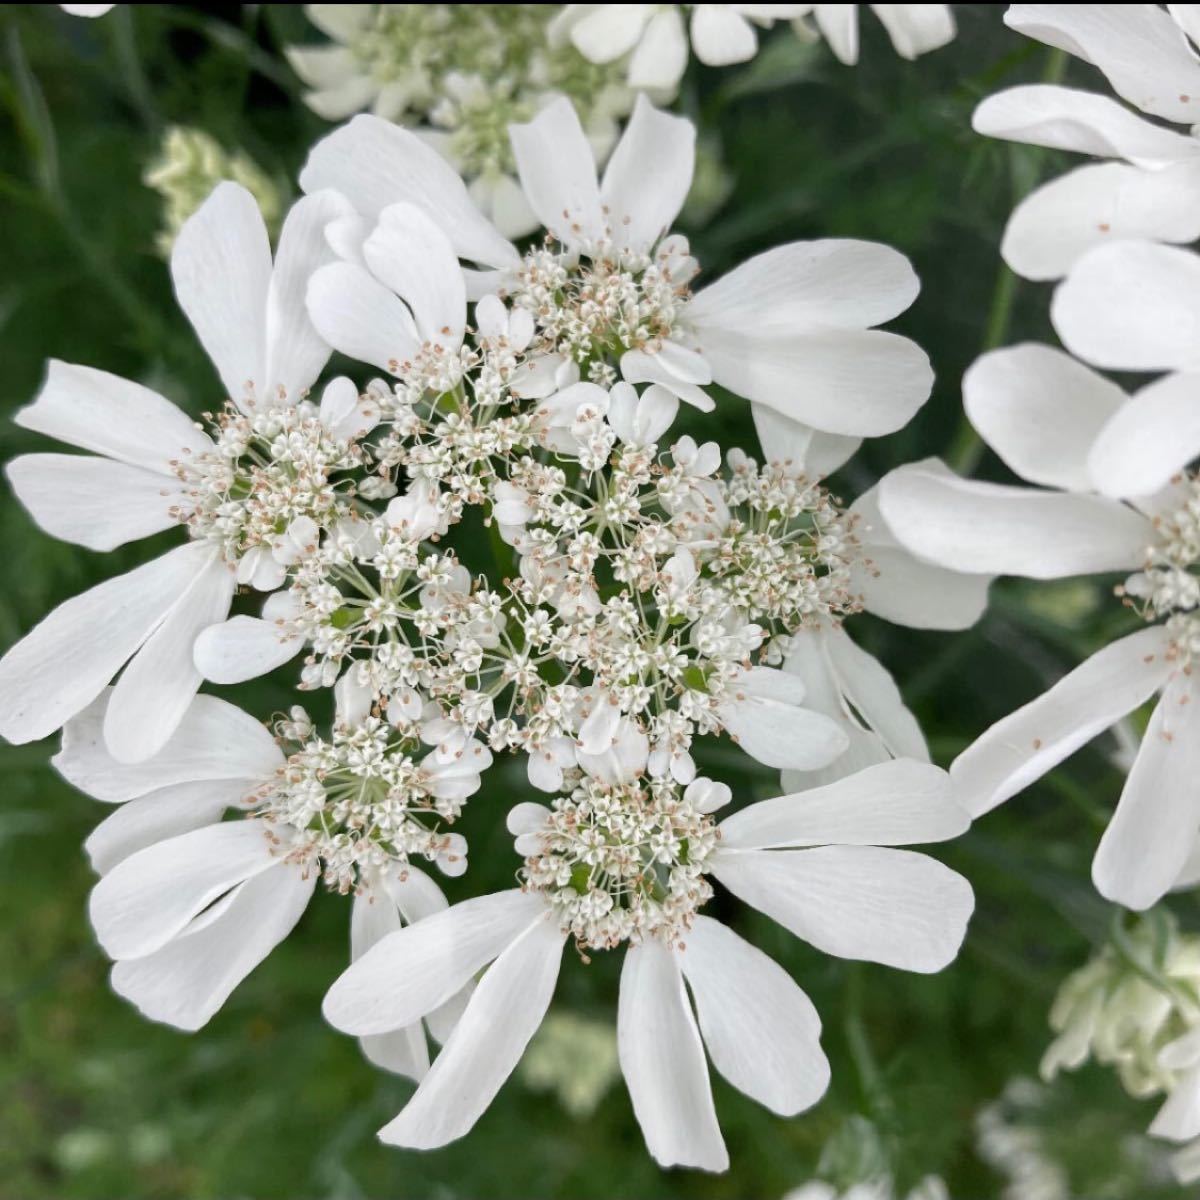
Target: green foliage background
[(269, 1102)]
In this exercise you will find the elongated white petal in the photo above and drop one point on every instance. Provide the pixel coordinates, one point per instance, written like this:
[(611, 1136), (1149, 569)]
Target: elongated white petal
[(798, 447), (323, 67), (215, 740), (1041, 411), (761, 1030), (1042, 114), (658, 62), (807, 286), (155, 689), (412, 972), (413, 257), (856, 382), (899, 803), (558, 173), (602, 33), (1154, 435), (1179, 1117), (1149, 839), (93, 502), (502, 1015), (160, 815), (1092, 698), (648, 175), (662, 1059), (221, 265), (357, 315), (243, 648), (916, 29), (1138, 47), (721, 35), (113, 417), (838, 24), (295, 352), (148, 899), (990, 528), (187, 980), (894, 907), (377, 163), (61, 665), (1132, 306)]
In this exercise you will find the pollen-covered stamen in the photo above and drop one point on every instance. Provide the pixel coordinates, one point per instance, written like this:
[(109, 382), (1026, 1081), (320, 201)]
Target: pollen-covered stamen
[(268, 469), (625, 861), (362, 799)]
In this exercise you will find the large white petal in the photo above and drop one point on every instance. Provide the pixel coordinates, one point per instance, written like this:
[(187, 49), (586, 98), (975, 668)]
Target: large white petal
[(243, 648), (155, 689), (900, 587), (602, 33), (1152, 833), (648, 175), (503, 1014), (187, 980), (662, 1059), (855, 382), (295, 352), (1132, 306), (995, 529), (411, 255), (148, 899), (894, 907), (838, 24), (1041, 411), (412, 972), (1042, 114), (1154, 435), (761, 1030), (215, 740), (93, 502), (1051, 229), (161, 815), (558, 173), (1138, 47), (221, 265), (915, 29), (899, 803), (1029, 742), (112, 416), (721, 35), (803, 286), (377, 163), (658, 62), (64, 662), (357, 315)]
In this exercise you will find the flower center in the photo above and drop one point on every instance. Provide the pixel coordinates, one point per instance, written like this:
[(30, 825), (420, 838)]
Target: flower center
[(623, 862)]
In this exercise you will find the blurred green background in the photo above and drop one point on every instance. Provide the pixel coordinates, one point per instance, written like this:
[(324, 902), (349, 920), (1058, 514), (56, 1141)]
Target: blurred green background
[(269, 1102)]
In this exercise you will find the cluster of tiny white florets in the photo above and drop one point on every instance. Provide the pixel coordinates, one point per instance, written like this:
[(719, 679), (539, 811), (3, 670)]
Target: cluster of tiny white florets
[(623, 861), (637, 583)]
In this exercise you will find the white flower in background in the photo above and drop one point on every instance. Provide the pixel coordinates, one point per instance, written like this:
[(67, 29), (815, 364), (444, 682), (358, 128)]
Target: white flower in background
[(189, 166), (930, 1188), (575, 1057), (914, 29), (1044, 414), (628, 864), (1151, 188), (189, 902), (460, 74), (152, 468), (1011, 1139), (653, 39), (608, 285)]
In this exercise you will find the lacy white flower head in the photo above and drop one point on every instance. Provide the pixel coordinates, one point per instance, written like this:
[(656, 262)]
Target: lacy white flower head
[(189, 902), (612, 294), (620, 861), (152, 468), (460, 74), (1136, 1007), (1045, 415), (1151, 189)]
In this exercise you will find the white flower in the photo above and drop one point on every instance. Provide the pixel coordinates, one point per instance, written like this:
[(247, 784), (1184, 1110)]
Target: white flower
[(803, 311), (656, 40), (1152, 188), (152, 468), (821, 863), (914, 29), (1042, 411), (189, 903)]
